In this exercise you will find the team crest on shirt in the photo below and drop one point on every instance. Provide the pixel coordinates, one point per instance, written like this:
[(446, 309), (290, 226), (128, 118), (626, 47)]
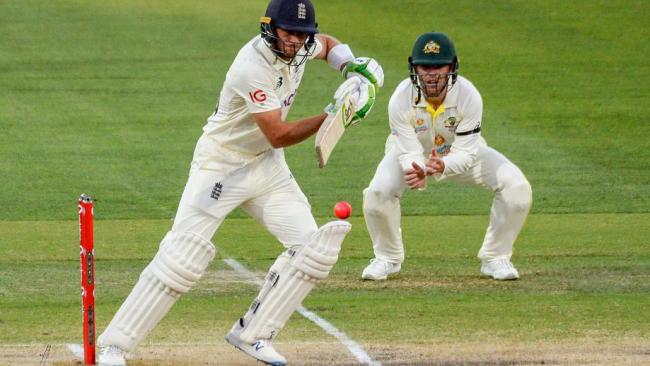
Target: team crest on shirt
[(439, 140), (431, 47), (279, 82), (451, 123), (420, 125)]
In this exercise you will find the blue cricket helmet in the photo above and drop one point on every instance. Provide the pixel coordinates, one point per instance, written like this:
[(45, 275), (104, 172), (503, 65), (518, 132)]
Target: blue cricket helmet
[(292, 15)]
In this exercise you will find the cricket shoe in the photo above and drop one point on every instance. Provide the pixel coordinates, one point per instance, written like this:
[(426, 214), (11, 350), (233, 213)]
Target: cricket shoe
[(499, 269), (261, 350), (379, 269), (111, 356)]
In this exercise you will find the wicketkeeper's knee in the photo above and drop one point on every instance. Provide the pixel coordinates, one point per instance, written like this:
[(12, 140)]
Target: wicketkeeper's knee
[(518, 195), (375, 202)]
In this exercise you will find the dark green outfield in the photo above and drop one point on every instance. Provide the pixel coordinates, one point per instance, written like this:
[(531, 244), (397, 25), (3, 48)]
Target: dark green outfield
[(109, 97)]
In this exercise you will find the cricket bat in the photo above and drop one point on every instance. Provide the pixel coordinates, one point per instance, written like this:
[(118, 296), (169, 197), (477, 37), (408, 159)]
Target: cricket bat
[(331, 130)]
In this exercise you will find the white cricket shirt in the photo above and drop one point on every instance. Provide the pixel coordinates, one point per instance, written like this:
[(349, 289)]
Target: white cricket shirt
[(453, 129), (257, 81)]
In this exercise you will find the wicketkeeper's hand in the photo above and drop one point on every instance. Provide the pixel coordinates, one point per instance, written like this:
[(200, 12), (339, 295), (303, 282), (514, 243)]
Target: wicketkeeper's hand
[(435, 164), (366, 67), (416, 177), (362, 97)]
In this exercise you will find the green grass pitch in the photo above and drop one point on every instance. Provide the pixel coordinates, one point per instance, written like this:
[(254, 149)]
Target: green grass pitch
[(109, 97)]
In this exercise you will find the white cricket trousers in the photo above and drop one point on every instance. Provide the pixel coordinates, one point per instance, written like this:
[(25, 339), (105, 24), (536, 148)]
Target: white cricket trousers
[(265, 189), (492, 170)]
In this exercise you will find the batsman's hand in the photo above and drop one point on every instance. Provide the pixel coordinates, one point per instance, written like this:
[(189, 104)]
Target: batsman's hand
[(362, 97), (435, 164), (417, 177), (367, 68)]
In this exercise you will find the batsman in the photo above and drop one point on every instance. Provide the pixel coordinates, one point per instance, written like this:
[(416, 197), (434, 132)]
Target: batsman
[(239, 162), (435, 119)]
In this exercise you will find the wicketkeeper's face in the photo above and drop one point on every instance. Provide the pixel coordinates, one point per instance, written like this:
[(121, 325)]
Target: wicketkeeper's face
[(433, 79), (290, 42)]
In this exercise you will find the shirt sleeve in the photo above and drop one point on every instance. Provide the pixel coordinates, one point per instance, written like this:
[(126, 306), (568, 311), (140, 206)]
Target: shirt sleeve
[(464, 149), (255, 85), (405, 141)]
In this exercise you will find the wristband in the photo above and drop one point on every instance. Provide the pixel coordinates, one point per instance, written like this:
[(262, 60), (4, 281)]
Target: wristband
[(339, 55)]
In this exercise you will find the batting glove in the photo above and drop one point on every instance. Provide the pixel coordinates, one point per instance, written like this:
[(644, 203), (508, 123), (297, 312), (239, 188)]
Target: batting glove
[(367, 68), (362, 97)]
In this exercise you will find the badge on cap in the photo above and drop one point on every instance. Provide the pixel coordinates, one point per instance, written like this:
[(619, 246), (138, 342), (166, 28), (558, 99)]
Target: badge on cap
[(302, 11), (431, 47)]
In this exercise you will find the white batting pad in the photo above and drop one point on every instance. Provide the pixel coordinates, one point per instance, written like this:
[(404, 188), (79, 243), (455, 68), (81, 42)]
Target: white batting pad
[(289, 281), (180, 262)]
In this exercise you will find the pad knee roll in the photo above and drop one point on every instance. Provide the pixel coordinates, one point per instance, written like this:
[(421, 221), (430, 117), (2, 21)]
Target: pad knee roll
[(290, 280), (182, 259)]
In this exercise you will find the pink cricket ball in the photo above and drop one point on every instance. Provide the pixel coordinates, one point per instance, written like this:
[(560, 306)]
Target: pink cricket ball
[(343, 209)]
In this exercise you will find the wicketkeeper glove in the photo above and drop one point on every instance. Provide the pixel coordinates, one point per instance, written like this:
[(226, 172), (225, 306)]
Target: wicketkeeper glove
[(362, 97), (367, 68)]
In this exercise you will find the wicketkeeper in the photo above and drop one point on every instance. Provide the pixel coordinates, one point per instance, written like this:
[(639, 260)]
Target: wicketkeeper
[(239, 162), (435, 119)]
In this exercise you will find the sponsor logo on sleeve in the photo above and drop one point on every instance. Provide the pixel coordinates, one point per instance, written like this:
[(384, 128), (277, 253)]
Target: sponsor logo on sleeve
[(257, 96), (287, 102)]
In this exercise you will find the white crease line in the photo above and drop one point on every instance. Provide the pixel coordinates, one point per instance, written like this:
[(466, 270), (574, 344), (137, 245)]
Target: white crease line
[(355, 348)]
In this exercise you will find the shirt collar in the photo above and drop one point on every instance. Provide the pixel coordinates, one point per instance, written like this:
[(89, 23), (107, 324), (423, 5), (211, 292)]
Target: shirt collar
[(268, 55), (435, 112)]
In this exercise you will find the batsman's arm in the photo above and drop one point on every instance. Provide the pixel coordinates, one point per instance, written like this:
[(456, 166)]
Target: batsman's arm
[(282, 134), (334, 52), (340, 57)]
